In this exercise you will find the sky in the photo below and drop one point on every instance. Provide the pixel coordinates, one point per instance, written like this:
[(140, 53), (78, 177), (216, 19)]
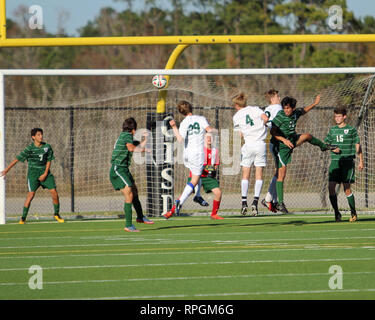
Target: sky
[(79, 12)]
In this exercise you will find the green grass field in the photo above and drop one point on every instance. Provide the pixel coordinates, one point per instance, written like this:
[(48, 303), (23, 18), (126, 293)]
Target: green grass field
[(264, 257)]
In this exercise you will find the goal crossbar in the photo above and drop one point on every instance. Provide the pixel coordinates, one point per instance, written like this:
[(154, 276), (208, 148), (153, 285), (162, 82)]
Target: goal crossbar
[(183, 72)]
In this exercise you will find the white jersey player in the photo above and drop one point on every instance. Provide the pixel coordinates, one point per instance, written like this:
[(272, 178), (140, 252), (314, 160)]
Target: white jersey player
[(191, 133), (251, 123), (272, 96)]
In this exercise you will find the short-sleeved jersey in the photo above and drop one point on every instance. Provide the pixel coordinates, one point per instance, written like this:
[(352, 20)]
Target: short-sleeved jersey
[(121, 156), (345, 138), (286, 124), (192, 130), (248, 120), (271, 111), (37, 157), (211, 158)]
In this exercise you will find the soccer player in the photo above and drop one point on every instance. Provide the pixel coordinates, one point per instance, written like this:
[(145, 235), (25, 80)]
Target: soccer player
[(251, 123), (285, 139), (208, 177), (39, 155), (342, 167), (120, 175), (273, 98), (191, 132)]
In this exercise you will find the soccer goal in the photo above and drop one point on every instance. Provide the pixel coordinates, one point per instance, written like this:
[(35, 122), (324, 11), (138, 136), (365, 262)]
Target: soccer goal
[(82, 111)]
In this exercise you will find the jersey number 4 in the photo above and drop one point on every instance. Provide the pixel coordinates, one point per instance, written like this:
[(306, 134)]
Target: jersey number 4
[(249, 120)]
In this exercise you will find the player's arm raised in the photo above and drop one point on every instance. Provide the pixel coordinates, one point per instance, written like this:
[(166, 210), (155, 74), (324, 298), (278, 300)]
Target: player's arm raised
[(177, 134), (316, 102)]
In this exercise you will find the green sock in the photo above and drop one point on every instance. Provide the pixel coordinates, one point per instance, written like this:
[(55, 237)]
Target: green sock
[(280, 190), (316, 142), (138, 207), (351, 202), (24, 213), (128, 214), (333, 200), (56, 209)]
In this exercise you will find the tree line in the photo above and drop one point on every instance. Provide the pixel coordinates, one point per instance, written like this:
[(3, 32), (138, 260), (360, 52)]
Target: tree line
[(200, 17)]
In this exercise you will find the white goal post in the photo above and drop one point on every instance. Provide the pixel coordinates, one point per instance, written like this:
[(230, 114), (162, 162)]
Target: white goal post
[(360, 106)]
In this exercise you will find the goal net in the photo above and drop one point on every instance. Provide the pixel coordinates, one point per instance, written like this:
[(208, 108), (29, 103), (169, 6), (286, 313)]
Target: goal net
[(82, 117)]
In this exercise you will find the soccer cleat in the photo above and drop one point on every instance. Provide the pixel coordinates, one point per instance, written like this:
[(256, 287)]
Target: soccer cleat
[(216, 217), (281, 207), (145, 221), (201, 201), (21, 221), (353, 218), (254, 210), (131, 229), (269, 205), (58, 218), (178, 207), (338, 217), (244, 208), (167, 215)]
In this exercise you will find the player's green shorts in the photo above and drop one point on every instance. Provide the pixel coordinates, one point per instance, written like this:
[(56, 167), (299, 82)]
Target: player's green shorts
[(33, 182), (342, 171), (120, 177), (208, 184), (283, 152)]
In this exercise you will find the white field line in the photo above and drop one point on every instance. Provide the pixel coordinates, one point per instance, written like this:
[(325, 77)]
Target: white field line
[(198, 218), (189, 263), (239, 251), (268, 275), (179, 234), (229, 294), (168, 240)]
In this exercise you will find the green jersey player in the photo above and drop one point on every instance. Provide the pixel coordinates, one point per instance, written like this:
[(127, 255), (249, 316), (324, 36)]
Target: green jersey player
[(39, 155), (285, 139), (342, 167), (120, 175)]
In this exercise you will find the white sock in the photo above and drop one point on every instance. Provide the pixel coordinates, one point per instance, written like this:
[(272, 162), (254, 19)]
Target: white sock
[(258, 188), (272, 194), (186, 193), (198, 188), (244, 188)]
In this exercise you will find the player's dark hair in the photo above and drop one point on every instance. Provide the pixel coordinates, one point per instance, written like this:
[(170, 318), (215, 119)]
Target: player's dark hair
[(129, 125), (35, 130), (340, 110), (270, 93), (184, 107), (289, 101)]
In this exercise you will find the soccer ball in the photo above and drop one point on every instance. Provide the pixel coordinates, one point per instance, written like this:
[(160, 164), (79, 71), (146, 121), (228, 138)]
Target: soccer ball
[(159, 81)]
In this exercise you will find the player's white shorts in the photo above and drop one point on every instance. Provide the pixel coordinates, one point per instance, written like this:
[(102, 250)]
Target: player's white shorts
[(194, 162), (255, 154)]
